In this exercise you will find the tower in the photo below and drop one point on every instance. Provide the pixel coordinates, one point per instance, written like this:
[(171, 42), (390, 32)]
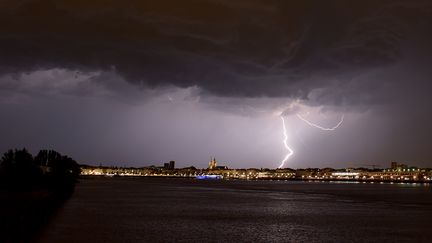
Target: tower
[(212, 164)]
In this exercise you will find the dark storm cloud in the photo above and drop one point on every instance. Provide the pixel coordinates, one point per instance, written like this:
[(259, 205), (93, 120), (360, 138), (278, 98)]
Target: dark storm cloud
[(226, 48)]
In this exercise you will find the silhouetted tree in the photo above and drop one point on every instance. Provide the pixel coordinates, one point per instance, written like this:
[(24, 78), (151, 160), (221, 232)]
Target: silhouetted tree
[(18, 169), (58, 164), (34, 188), (47, 157), (61, 171)]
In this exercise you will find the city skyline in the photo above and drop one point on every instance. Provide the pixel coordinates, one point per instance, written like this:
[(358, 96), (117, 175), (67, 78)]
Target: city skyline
[(159, 81)]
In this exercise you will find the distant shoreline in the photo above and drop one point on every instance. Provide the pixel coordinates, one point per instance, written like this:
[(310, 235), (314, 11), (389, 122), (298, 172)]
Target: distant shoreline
[(271, 179)]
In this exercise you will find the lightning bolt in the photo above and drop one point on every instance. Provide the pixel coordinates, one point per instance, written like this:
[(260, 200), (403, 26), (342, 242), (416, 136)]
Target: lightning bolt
[(290, 151), (320, 127)]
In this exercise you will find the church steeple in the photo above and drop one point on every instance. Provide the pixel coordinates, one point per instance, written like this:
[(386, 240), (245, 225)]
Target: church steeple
[(212, 163)]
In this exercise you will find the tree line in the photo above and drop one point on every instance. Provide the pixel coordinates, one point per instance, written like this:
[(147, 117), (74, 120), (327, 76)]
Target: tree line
[(20, 170)]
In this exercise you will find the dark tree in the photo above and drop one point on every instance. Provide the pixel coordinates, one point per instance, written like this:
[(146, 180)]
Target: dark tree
[(31, 189), (49, 169), (61, 171), (47, 157), (18, 169)]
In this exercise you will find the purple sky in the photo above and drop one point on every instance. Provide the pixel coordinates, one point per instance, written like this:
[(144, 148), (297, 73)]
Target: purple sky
[(143, 83)]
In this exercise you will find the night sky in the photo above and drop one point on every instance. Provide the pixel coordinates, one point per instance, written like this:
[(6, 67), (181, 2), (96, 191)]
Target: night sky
[(140, 83)]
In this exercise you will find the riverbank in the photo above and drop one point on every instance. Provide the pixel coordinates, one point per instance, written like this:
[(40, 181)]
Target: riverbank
[(24, 213)]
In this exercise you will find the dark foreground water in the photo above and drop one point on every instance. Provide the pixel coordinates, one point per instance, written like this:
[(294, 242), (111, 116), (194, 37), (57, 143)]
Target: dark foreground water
[(187, 210)]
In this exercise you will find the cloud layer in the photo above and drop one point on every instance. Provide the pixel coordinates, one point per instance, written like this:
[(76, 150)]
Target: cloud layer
[(150, 81), (241, 49)]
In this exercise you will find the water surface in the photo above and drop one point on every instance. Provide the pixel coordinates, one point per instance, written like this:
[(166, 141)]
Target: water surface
[(184, 210)]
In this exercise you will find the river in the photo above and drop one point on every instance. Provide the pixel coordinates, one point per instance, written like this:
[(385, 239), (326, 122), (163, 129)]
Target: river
[(187, 210)]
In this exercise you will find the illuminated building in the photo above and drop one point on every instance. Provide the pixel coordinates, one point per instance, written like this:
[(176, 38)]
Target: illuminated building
[(397, 166), (212, 164)]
